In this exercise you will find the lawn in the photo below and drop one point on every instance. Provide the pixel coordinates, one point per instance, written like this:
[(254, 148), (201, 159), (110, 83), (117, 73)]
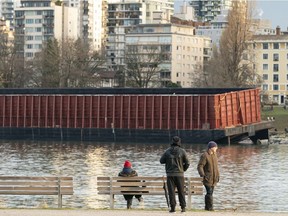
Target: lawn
[(280, 115)]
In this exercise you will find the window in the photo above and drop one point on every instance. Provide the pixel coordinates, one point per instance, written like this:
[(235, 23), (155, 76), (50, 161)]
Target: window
[(275, 57), (265, 87), (29, 21), (38, 20), (165, 48), (29, 37), (265, 45), (265, 66), (265, 56), (275, 78), (275, 67), (265, 76), (29, 54), (275, 87), (29, 46), (286, 87), (275, 45), (37, 38)]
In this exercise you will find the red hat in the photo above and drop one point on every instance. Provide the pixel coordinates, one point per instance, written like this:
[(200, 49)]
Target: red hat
[(127, 164)]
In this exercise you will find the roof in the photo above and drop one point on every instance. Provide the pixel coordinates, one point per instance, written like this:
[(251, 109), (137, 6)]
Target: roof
[(145, 91), (270, 37)]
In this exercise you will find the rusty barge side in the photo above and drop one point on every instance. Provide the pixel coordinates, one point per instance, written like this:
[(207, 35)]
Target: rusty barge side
[(136, 115)]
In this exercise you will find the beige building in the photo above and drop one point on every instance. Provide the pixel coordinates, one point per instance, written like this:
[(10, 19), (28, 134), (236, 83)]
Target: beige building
[(185, 51), (66, 23), (271, 57)]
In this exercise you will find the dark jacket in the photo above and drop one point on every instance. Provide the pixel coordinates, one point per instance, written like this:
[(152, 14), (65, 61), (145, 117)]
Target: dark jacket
[(175, 160), (128, 172), (208, 169)]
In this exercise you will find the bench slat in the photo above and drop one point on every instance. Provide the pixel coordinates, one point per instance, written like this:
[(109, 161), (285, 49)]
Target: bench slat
[(35, 183), (33, 178)]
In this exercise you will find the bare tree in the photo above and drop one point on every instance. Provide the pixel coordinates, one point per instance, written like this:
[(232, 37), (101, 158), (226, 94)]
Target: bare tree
[(232, 64), (143, 65), (69, 63), (88, 64), (11, 64)]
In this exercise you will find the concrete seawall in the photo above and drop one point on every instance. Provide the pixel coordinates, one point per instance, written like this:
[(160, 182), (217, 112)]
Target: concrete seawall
[(49, 212)]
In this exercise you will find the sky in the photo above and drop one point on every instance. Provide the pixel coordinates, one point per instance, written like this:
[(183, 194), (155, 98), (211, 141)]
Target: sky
[(274, 10)]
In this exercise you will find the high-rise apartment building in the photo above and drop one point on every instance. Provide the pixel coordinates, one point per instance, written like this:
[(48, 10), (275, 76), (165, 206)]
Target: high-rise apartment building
[(185, 52), (7, 11), (207, 10), (123, 15), (34, 23), (97, 23)]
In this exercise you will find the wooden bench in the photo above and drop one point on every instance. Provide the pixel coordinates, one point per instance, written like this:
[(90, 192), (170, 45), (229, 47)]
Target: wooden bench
[(26, 185), (144, 186)]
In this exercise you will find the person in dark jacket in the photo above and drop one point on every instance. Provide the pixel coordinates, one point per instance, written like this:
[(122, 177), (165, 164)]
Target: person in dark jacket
[(208, 169), (127, 171), (176, 163)]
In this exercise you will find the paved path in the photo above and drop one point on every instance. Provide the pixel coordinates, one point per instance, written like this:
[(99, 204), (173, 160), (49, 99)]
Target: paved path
[(48, 212)]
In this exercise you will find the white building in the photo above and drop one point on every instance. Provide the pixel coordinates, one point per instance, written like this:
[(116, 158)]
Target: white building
[(185, 52), (123, 15), (97, 23), (215, 29), (36, 22)]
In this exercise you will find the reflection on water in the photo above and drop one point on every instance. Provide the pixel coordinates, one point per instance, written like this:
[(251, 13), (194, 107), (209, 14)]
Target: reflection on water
[(252, 177)]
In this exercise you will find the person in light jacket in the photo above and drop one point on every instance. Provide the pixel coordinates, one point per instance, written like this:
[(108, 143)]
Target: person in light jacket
[(176, 163), (208, 169)]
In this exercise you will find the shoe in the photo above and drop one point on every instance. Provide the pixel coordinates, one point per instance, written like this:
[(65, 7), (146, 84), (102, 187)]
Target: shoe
[(140, 199), (172, 211), (183, 210)]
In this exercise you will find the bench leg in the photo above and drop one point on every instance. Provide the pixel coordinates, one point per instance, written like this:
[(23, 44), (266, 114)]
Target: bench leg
[(111, 201), (59, 200)]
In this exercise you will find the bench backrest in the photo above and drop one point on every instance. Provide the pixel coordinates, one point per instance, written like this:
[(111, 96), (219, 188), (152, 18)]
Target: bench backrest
[(143, 185), (25, 185)]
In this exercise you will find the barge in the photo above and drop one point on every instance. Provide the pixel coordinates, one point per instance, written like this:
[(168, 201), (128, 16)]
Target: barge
[(197, 115)]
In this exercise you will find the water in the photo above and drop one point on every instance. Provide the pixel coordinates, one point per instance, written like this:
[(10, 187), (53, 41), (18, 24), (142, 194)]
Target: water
[(252, 178)]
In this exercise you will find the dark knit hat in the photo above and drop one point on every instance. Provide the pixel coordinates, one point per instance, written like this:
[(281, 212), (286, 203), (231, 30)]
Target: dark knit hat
[(176, 140), (212, 144), (127, 164)]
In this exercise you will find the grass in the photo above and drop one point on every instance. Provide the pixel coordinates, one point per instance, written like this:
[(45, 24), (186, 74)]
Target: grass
[(279, 113)]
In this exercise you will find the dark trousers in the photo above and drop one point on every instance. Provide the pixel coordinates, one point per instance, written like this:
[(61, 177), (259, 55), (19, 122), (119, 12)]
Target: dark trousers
[(176, 182), (130, 197), (209, 197)]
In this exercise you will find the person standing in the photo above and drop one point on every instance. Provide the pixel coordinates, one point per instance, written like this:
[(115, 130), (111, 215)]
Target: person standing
[(127, 171), (208, 169), (176, 163)]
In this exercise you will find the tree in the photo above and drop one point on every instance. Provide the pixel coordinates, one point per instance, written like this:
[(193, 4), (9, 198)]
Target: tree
[(88, 65), (11, 64), (232, 64), (69, 63), (143, 65)]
